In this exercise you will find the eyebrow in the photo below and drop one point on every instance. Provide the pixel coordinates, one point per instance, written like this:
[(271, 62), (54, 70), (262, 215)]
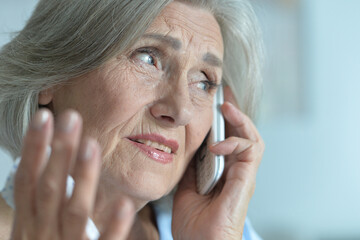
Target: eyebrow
[(212, 60), (176, 44), (173, 42)]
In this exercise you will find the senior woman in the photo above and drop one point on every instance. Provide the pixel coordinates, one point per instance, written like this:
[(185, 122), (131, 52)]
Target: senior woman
[(130, 85)]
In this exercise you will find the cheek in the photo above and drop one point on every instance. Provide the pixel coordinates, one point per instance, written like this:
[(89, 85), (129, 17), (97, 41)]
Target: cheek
[(118, 98), (197, 130)]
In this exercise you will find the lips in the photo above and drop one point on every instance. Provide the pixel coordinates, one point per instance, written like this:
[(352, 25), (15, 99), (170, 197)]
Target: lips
[(156, 146)]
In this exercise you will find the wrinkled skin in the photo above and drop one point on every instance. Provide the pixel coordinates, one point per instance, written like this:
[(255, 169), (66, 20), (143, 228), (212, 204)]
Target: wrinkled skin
[(164, 84)]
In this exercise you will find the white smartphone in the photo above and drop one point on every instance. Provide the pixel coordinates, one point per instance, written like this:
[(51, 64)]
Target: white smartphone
[(209, 167)]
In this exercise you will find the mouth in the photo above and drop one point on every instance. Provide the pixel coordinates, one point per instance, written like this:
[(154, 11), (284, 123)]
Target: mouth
[(156, 146), (156, 141)]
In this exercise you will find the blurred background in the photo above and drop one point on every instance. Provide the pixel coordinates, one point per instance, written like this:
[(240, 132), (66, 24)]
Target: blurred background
[(308, 186)]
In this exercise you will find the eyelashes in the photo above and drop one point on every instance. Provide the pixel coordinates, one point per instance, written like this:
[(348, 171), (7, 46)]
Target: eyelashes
[(148, 55), (153, 57), (212, 83)]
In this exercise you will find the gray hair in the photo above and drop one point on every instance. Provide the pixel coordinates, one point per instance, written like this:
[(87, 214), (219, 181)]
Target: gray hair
[(65, 39)]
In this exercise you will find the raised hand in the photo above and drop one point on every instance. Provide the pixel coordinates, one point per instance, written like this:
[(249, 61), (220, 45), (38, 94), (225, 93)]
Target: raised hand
[(42, 209)]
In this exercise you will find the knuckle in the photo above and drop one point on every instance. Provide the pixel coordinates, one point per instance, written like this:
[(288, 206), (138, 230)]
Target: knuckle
[(36, 145), (246, 118), (233, 139), (256, 148), (262, 144), (62, 147), (68, 146), (252, 149), (260, 148), (76, 213), (48, 188), (242, 123), (251, 153)]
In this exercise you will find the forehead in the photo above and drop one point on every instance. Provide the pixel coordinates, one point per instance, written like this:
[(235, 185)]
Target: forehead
[(188, 26)]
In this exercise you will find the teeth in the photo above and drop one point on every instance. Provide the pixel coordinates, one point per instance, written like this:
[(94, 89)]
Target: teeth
[(156, 145)]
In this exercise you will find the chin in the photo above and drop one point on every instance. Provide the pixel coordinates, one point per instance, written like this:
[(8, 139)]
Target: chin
[(140, 177), (147, 186)]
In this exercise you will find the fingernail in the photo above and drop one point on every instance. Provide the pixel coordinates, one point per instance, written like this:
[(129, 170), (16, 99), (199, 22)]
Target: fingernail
[(236, 108), (215, 144), (231, 104), (87, 150), (68, 121), (41, 117)]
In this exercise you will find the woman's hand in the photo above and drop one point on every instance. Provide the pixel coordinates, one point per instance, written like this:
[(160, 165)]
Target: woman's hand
[(42, 209), (222, 213)]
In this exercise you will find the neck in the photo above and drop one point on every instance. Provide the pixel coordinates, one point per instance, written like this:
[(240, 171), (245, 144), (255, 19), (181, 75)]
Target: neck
[(144, 226)]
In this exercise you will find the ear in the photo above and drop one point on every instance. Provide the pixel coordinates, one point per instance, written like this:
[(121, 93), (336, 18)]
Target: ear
[(46, 97)]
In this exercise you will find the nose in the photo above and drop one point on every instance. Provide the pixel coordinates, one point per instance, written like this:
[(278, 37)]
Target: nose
[(174, 107)]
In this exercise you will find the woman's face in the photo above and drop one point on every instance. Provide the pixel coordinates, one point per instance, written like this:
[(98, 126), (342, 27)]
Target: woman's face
[(151, 107)]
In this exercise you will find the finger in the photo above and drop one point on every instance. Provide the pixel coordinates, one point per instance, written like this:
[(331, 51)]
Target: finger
[(239, 123), (231, 145), (239, 186), (86, 175), (241, 165), (34, 156), (51, 187), (240, 151), (17, 230), (229, 96), (120, 222)]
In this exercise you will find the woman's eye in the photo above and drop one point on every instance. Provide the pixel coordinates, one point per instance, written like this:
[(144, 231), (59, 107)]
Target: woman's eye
[(203, 85), (146, 58), (148, 55), (206, 84)]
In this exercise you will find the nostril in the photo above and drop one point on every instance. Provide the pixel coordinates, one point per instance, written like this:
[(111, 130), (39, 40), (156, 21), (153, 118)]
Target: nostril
[(168, 119)]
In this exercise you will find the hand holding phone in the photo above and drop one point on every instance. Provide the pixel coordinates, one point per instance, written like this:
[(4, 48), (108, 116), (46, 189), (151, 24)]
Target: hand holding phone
[(209, 167)]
